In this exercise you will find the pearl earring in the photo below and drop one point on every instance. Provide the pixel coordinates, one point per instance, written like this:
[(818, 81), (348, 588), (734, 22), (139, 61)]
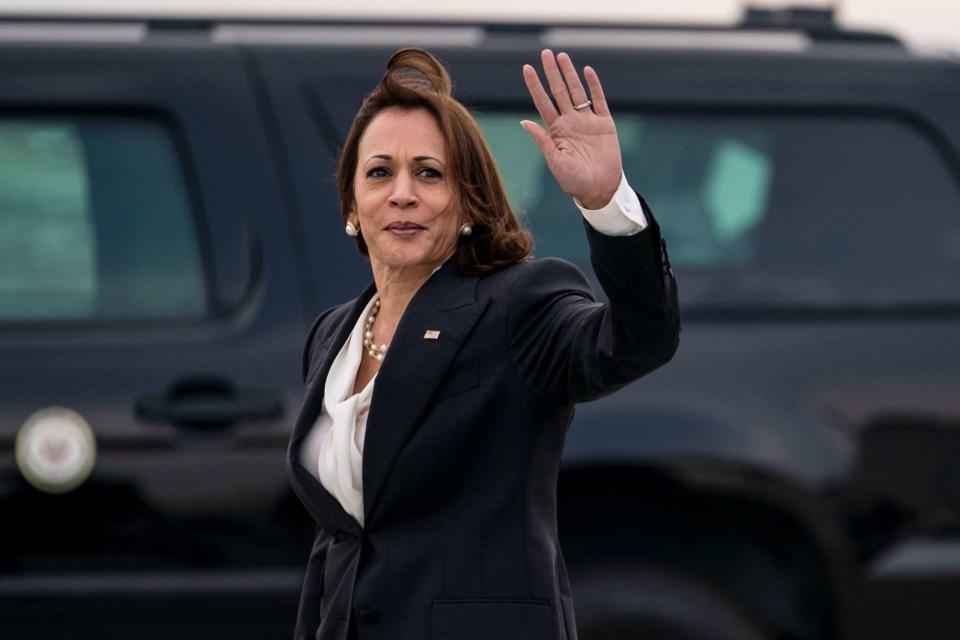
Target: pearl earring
[(352, 230), (466, 229)]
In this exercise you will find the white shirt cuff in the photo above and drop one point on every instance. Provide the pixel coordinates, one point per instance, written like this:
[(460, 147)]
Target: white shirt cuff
[(622, 216)]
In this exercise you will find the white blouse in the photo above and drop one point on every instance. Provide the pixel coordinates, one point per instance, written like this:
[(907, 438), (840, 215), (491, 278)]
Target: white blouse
[(333, 449)]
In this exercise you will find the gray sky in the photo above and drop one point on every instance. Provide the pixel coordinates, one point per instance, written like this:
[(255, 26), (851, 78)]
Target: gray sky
[(933, 23)]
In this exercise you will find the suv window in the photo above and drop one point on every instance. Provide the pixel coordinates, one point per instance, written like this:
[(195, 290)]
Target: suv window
[(95, 222), (769, 209)]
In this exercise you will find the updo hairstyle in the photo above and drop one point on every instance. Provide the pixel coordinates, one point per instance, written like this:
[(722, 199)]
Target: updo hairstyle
[(414, 79)]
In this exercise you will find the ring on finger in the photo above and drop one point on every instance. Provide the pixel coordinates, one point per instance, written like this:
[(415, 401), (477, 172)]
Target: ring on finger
[(582, 105)]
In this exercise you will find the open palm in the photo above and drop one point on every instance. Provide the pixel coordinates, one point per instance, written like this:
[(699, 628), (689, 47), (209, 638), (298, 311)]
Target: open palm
[(579, 144)]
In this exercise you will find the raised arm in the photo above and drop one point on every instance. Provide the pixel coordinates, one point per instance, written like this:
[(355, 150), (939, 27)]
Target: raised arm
[(564, 343)]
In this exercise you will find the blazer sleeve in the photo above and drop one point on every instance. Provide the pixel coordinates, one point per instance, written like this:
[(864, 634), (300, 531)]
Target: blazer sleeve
[(568, 346)]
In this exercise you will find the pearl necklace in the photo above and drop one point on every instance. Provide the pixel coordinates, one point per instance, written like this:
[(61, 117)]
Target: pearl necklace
[(377, 351)]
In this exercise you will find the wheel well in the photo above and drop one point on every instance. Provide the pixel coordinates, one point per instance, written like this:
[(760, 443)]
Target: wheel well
[(758, 553)]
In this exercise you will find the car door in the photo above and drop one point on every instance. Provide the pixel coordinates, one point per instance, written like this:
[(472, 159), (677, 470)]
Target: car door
[(151, 327)]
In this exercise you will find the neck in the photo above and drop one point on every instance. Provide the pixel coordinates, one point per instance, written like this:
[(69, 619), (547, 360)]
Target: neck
[(396, 286)]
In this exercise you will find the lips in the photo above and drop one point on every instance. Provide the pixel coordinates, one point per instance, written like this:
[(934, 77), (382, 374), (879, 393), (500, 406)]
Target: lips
[(404, 229), (403, 225)]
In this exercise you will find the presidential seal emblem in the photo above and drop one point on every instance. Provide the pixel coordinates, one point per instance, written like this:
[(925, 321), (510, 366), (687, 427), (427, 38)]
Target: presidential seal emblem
[(56, 450)]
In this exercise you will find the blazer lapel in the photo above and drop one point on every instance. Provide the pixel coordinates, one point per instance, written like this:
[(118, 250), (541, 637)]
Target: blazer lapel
[(445, 305), (321, 504)]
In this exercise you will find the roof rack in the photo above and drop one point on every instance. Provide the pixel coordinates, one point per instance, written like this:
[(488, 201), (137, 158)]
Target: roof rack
[(818, 23), (789, 28)]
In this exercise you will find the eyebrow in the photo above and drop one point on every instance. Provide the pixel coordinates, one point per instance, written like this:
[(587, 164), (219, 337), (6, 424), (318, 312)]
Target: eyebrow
[(384, 156)]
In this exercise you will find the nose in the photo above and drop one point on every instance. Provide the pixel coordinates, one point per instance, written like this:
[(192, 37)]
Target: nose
[(404, 193)]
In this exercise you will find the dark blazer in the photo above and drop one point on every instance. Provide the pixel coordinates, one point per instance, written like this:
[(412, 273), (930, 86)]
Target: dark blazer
[(463, 444)]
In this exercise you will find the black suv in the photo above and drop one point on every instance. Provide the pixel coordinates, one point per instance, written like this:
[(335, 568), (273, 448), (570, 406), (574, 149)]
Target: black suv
[(169, 229)]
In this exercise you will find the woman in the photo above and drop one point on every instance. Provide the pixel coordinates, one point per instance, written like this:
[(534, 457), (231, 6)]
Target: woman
[(429, 441)]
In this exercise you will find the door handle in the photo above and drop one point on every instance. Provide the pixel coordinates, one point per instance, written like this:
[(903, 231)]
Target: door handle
[(208, 403)]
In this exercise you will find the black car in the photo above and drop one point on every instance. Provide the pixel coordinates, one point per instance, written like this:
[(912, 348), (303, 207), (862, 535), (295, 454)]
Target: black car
[(169, 228)]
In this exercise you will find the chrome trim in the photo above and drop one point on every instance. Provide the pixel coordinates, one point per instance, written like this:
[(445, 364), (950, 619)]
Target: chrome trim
[(675, 39), (918, 558), (72, 32), (348, 35)]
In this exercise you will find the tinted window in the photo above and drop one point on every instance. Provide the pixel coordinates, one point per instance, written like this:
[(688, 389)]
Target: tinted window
[(95, 222), (759, 210)]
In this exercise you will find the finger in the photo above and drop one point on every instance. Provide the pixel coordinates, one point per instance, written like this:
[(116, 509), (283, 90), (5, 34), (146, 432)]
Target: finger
[(554, 78), (548, 113), (577, 93), (541, 137), (596, 92)]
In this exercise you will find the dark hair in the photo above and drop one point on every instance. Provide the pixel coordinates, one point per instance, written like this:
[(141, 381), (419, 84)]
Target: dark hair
[(414, 79)]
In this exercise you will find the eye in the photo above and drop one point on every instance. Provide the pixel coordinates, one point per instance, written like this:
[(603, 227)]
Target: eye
[(429, 173), (377, 172)]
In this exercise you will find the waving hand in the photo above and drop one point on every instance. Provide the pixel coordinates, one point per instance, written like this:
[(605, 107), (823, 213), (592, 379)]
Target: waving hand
[(580, 140)]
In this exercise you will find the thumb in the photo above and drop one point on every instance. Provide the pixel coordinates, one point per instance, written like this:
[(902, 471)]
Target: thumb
[(541, 137)]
